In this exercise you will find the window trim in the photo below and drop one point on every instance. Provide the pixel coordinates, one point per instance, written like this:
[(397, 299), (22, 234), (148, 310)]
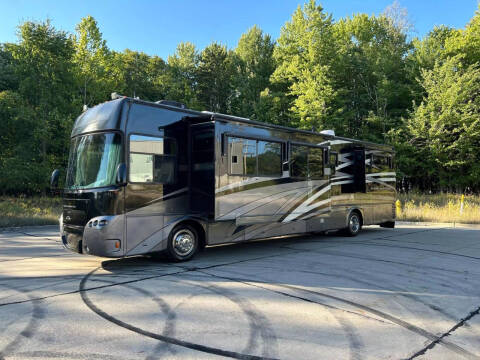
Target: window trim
[(175, 175), (226, 136)]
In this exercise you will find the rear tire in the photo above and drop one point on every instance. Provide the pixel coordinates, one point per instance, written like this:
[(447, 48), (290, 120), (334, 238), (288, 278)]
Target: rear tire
[(182, 243), (354, 224)]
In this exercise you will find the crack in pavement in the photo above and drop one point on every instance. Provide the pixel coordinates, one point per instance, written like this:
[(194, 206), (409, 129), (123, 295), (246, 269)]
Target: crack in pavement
[(448, 333)]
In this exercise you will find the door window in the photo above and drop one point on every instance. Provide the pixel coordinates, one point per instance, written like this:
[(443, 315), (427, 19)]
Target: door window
[(152, 160)]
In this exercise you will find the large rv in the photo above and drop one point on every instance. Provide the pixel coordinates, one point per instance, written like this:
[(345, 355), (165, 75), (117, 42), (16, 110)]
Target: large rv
[(145, 178)]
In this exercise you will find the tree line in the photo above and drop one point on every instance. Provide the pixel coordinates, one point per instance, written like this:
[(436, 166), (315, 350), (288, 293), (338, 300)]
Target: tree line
[(363, 76)]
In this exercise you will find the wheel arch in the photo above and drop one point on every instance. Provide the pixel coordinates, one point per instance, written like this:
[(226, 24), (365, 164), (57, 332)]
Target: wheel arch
[(198, 224), (357, 210)]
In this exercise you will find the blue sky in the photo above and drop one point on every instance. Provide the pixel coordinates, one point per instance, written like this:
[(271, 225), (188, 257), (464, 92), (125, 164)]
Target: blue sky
[(156, 27)]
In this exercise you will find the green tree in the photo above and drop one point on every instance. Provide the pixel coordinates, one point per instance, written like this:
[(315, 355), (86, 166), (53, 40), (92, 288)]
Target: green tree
[(44, 67), (305, 54), (254, 63), (466, 42), (445, 127), (374, 89), (180, 80), (8, 79), (139, 75), (214, 78), (92, 57)]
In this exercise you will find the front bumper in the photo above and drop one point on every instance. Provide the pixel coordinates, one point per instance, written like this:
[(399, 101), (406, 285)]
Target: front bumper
[(104, 240)]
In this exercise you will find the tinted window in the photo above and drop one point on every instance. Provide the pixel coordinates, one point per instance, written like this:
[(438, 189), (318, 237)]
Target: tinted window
[(93, 160), (269, 158), (243, 156), (250, 157), (152, 159), (306, 162), (381, 163), (315, 163), (203, 151), (299, 161)]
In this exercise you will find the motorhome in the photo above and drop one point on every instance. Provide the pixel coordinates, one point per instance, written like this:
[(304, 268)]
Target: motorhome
[(146, 177)]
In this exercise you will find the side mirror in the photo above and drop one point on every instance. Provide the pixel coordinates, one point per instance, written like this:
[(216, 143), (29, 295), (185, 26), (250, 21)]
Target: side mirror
[(121, 174), (54, 179)]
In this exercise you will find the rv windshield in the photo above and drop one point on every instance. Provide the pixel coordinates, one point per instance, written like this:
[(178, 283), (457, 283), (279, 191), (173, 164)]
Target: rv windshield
[(93, 160)]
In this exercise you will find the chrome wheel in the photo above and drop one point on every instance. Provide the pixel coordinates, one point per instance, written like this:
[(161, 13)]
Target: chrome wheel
[(183, 242), (354, 223)]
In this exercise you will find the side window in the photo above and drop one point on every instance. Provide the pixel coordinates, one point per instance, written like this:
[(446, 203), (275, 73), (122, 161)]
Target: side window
[(315, 163), (242, 155), (390, 162), (249, 157), (203, 151), (152, 160), (333, 161), (380, 163), (299, 161), (306, 162), (369, 162), (269, 158)]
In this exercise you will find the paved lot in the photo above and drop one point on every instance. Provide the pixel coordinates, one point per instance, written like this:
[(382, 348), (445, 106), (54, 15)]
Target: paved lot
[(411, 292)]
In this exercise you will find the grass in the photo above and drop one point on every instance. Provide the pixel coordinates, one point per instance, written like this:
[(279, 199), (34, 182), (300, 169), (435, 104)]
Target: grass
[(439, 208), (22, 211)]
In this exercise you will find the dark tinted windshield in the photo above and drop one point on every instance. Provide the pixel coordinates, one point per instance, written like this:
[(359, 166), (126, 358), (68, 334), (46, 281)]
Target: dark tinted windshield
[(93, 160)]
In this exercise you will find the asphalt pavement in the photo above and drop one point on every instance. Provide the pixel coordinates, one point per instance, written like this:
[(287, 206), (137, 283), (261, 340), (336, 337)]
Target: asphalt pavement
[(407, 293)]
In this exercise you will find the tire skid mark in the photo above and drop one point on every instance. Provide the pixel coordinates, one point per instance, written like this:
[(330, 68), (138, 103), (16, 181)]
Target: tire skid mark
[(402, 292), (160, 347), (258, 322), (440, 340), (371, 258), (415, 329), (67, 355), (412, 296), (399, 290), (27, 332), (355, 343), (25, 291), (34, 257), (354, 339), (171, 340), (299, 297), (416, 249), (142, 279), (168, 329)]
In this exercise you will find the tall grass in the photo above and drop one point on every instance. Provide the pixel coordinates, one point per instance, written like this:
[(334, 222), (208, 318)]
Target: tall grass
[(439, 208), (21, 211)]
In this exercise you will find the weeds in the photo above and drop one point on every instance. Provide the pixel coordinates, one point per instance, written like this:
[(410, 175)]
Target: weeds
[(21, 211), (439, 208)]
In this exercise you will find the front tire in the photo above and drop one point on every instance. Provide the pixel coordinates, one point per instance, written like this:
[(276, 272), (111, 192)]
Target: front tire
[(354, 224), (182, 243)]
